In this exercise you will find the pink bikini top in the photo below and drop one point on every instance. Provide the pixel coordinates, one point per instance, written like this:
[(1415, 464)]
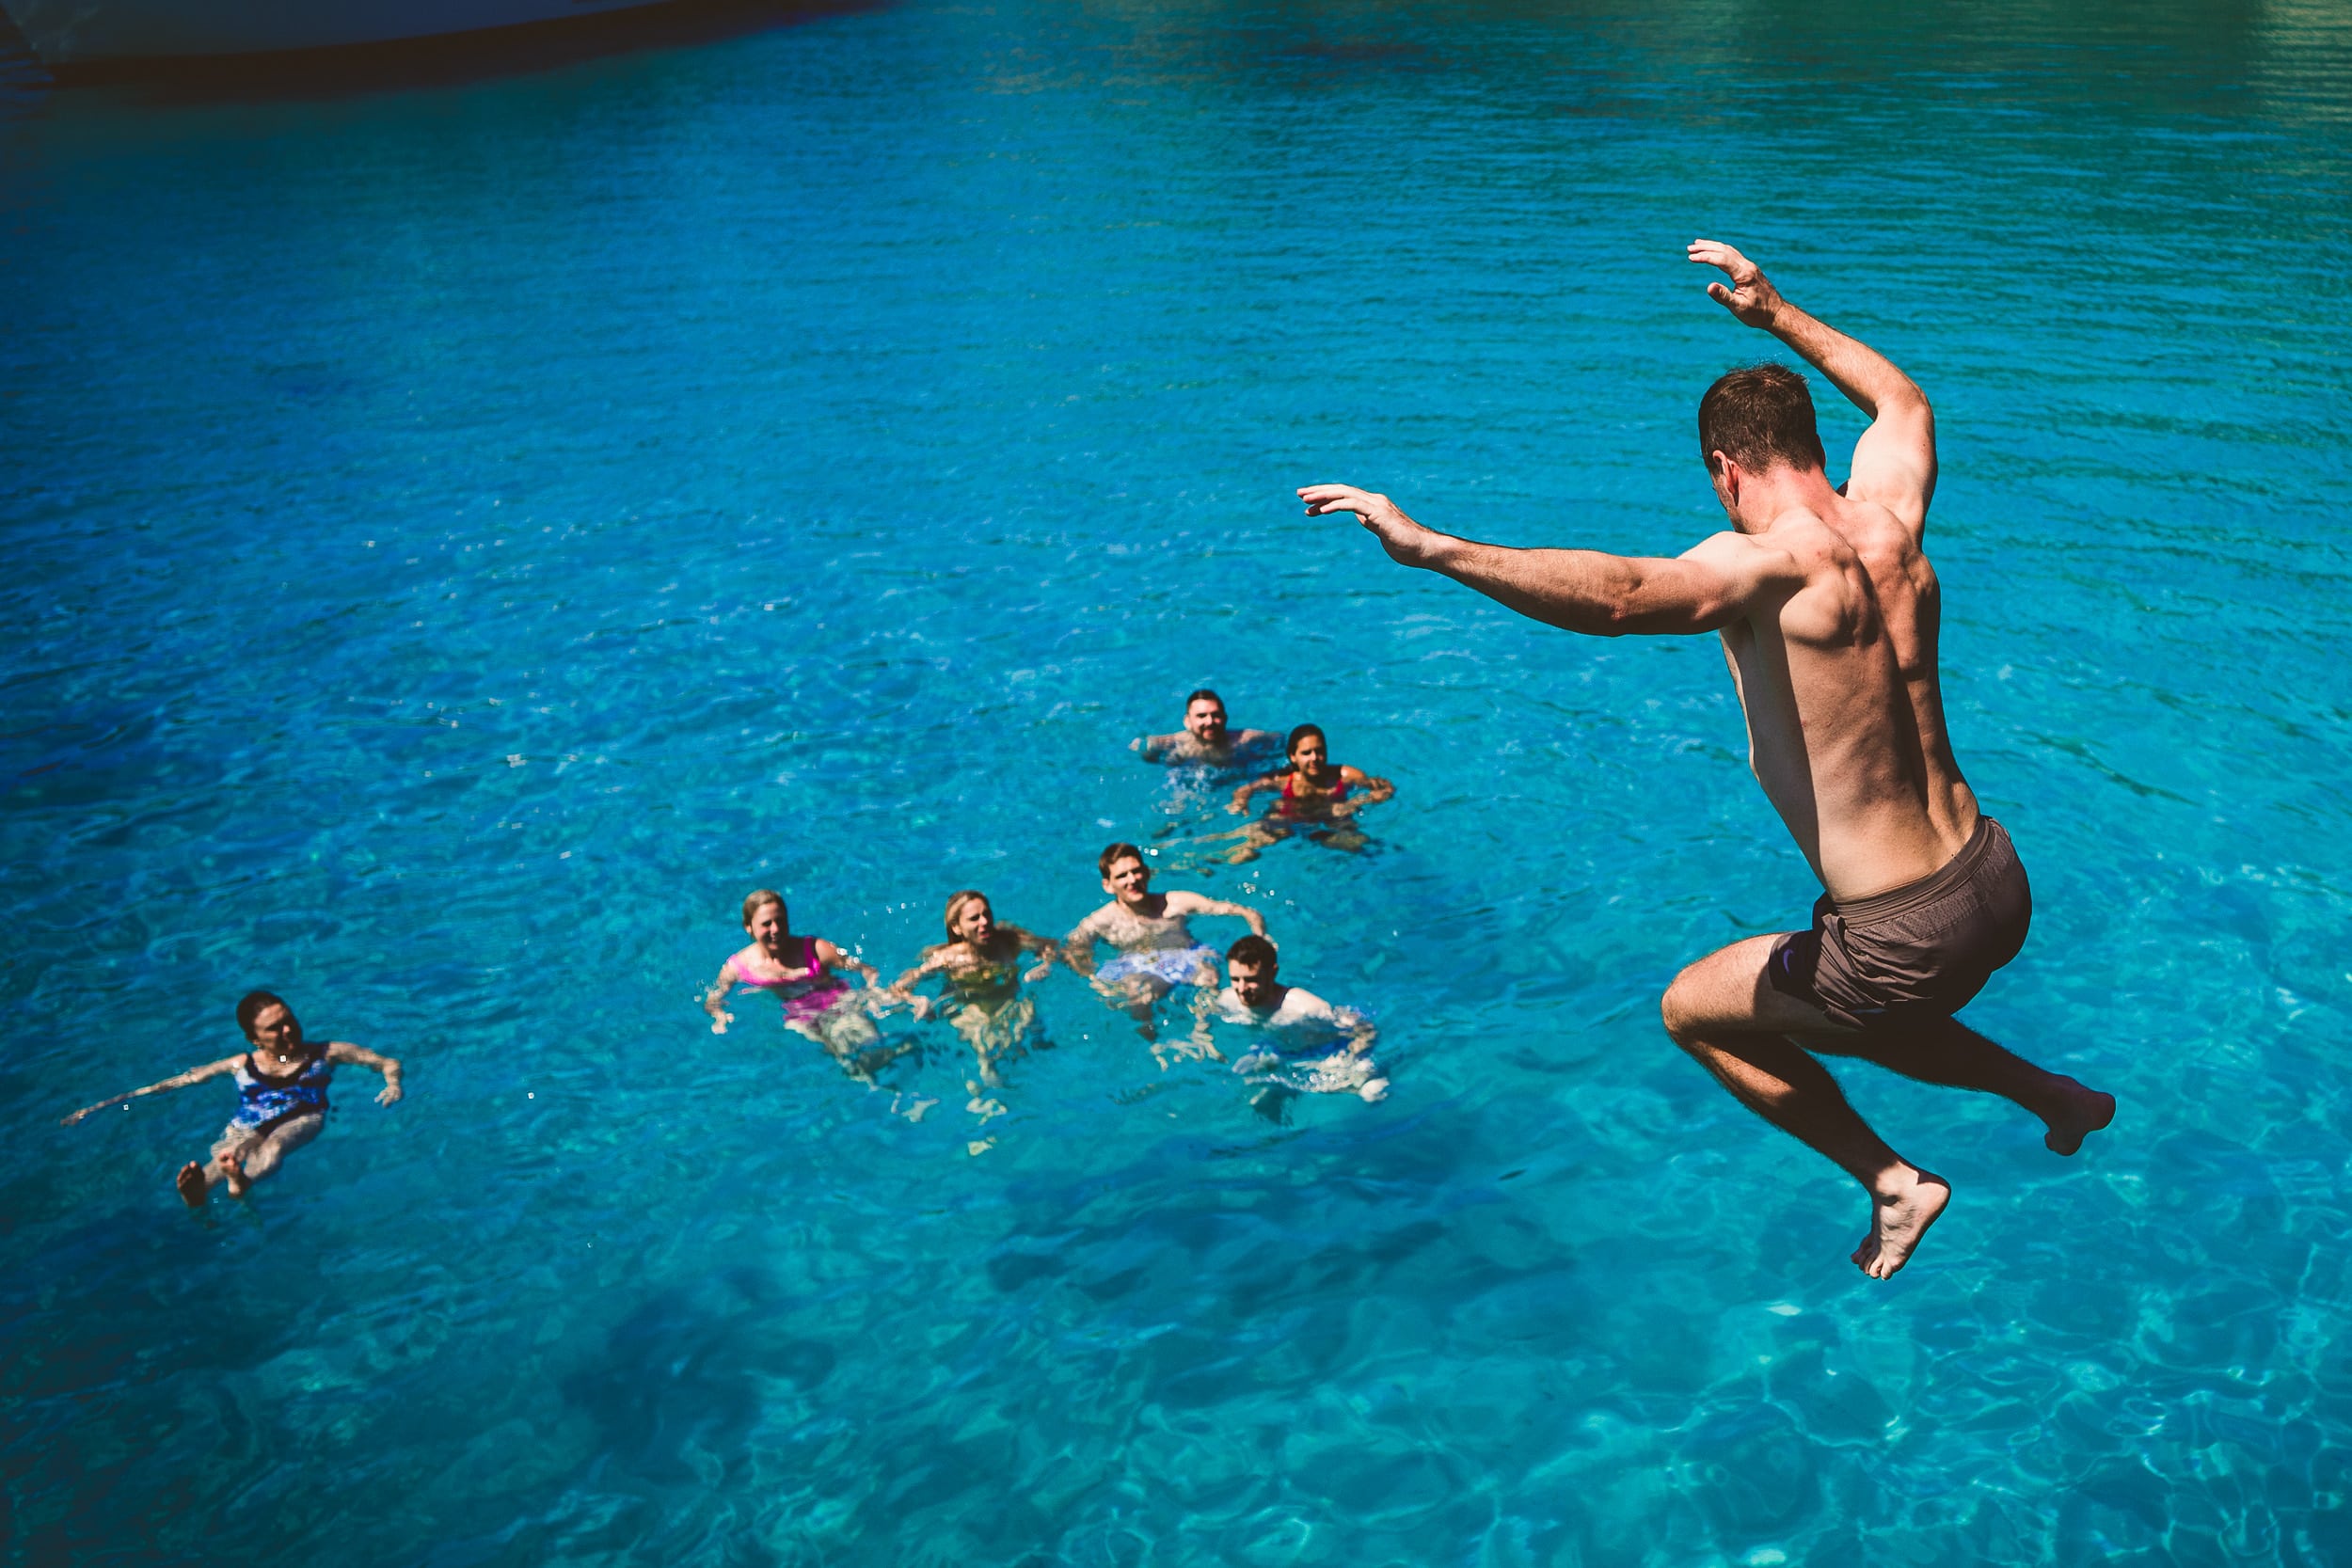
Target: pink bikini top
[(805, 997), (816, 976)]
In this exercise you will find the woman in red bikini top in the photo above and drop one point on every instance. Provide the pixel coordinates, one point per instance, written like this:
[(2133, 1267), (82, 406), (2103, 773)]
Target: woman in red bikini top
[(1311, 789)]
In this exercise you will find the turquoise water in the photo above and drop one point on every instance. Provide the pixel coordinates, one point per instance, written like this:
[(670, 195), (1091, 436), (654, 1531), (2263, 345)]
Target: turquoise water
[(462, 536)]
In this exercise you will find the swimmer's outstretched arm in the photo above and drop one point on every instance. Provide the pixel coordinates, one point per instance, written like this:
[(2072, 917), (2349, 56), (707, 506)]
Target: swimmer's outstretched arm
[(360, 1055), (715, 999), (1077, 948), (177, 1081), (1239, 805), (1031, 943), (1195, 903), (836, 957), (1376, 790), (1894, 463), (933, 961), (1705, 589)]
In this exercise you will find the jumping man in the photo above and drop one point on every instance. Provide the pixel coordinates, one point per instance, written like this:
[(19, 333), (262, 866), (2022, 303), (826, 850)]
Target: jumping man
[(1828, 613)]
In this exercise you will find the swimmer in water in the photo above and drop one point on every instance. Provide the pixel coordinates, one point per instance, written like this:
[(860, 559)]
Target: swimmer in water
[(281, 1091), (1308, 1044), (800, 972), (1156, 949), (979, 967), (1311, 796), (1204, 740)]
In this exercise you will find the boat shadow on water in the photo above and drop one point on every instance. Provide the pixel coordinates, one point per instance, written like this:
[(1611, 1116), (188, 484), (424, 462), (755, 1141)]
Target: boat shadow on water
[(404, 65)]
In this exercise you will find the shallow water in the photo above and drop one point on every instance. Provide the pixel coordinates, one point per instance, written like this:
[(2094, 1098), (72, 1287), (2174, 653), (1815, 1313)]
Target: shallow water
[(463, 535)]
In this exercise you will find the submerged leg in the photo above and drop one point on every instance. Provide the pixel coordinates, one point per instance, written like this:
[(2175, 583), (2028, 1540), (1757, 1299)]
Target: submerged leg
[(260, 1158), (1723, 1013)]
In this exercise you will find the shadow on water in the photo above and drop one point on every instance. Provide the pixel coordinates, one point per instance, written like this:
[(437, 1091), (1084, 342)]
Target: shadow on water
[(409, 65), (682, 1378)]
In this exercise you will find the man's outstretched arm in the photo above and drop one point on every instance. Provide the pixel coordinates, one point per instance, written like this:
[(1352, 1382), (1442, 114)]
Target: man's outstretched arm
[(1894, 463), (1586, 590)]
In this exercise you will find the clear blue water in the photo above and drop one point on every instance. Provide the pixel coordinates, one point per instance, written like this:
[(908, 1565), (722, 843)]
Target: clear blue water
[(461, 536)]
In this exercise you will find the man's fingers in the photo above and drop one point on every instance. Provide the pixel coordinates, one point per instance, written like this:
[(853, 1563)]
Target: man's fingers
[(1714, 253), (1719, 295)]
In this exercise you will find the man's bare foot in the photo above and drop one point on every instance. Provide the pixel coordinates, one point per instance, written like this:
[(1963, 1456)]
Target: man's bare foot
[(2086, 1111), (1375, 1092), (1906, 1203), (232, 1172), (192, 1191)]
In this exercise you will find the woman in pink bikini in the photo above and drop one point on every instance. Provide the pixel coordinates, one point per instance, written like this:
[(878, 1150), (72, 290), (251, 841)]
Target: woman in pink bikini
[(800, 973), (1311, 796)]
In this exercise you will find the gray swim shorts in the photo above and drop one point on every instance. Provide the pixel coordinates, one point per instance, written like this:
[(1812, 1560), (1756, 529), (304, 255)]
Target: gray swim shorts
[(1928, 947)]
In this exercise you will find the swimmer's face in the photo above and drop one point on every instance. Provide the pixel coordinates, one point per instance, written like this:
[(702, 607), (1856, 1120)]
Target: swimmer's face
[(275, 1030), (975, 923), (1130, 881), (1310, 753), (1255, 984), (768, 925), (1204, 721)]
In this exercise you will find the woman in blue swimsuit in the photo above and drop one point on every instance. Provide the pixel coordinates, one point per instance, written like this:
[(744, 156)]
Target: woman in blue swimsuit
[(281, 1097)]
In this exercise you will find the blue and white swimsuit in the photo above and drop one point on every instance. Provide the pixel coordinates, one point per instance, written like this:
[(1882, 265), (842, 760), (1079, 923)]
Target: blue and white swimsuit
[(264, 1102), (1172, 966)]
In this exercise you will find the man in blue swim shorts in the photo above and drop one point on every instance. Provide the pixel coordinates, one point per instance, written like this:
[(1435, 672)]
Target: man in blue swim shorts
[(1828, 613), (1156, 949)]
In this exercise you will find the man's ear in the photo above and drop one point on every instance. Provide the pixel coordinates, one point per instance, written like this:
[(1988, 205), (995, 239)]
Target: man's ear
[(1726, 475)]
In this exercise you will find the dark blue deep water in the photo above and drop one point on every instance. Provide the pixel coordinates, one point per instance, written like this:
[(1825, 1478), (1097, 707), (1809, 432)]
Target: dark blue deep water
[(462, 534)]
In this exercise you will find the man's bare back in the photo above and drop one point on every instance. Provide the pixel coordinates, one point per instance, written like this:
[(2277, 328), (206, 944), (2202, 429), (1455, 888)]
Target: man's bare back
[(1828, 613)]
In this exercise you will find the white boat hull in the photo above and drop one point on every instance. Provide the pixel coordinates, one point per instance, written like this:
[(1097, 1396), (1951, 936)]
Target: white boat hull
[(75, 33)]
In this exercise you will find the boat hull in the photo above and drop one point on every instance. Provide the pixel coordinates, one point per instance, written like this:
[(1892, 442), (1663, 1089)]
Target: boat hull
[(71, 34)]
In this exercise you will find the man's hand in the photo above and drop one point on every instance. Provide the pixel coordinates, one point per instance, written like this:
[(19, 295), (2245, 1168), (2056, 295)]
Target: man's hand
[(389, 1094), (1406, 540), (1751, 297)]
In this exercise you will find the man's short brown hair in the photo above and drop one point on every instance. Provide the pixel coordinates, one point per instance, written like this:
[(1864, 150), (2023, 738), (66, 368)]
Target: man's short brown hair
[(1760, 418), (1253, 950)]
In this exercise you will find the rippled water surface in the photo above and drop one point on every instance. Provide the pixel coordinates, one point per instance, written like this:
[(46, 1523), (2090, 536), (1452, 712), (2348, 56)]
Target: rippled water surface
[(463, 533)]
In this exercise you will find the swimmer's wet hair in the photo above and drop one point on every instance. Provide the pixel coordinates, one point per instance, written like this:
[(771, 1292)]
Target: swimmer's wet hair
[(1255, 951), (1760, 418), (1116, 853), (1302, 733), (954, 906), (253, 1004), (1204, 694), (758, 899)]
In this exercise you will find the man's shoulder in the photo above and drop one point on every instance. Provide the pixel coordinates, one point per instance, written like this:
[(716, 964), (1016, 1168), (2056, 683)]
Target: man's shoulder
[(1876, 533), (1780, 551), (1301, 1003)]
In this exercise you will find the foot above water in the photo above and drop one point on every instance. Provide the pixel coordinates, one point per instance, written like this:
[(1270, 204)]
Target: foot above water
[(1902, 1212), (2086, 1112)]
